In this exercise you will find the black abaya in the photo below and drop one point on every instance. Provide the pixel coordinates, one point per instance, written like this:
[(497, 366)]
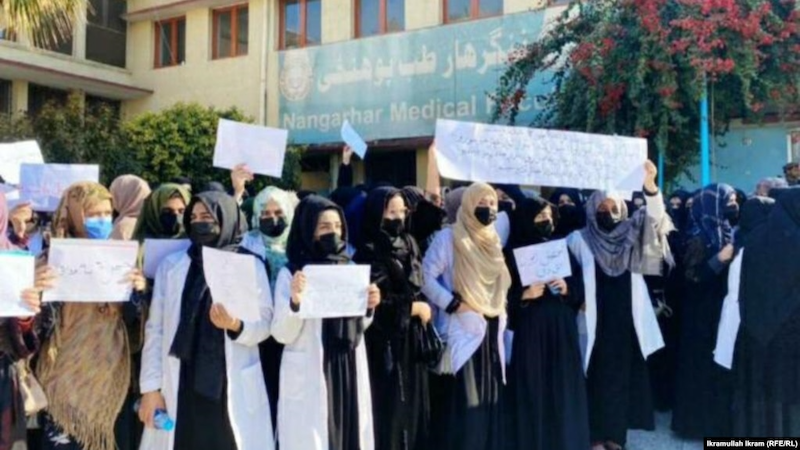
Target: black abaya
[(546, 395), (473, 401), (342, 386), (202, 423), (703, 388), (546, 398), (618, 382), (398, 377)]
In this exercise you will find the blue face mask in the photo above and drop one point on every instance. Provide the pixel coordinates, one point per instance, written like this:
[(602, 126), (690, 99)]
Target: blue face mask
[(98, 227)]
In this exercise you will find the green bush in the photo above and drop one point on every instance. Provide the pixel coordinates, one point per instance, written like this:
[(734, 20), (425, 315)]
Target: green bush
[(156, 146), (179, 141)]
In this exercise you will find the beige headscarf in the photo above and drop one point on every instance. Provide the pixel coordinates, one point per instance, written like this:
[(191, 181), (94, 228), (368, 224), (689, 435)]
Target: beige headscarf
[(68, 220), (85, 366), (480, 273), (129, 192)]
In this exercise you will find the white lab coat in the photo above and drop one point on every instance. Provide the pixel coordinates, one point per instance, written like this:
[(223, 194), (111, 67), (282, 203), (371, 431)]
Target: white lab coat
[(303, 403), (644, 316), (462, 332), (248, 406), (730, 319)]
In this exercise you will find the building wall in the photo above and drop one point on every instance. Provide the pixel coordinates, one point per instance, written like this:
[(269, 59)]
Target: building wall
[(745, 155), (221, 83)]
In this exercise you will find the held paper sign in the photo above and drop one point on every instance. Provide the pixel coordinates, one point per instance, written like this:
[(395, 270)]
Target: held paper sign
[(351, 137), (543, 263), (12, 156), (43, 184), (231, 277), (261, 148), (531, 156), (155, 250), (91, 270), (335, 291), (17, 273)]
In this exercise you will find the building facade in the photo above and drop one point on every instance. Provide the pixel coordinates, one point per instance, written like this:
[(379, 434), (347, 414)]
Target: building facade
[(389, 67)]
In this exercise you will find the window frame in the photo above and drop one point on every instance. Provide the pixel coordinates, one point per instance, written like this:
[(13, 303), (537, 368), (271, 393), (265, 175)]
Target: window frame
[(159, 24), (303, 25), (383, 19), (233, 10), (474, 12)]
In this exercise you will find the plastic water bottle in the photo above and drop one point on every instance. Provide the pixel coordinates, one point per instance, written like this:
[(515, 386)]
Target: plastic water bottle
[(161, 419)]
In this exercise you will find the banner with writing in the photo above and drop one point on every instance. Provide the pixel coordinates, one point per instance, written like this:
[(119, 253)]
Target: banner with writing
[(537, 157), (396, 86)]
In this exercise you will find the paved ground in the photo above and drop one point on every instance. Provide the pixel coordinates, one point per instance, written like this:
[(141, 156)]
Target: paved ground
[(661, 439)]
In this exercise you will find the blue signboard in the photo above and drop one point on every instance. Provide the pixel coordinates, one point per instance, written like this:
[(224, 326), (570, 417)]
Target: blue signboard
[(396, 86)]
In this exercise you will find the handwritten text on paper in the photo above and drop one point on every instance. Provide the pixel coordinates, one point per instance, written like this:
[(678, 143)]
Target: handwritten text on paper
[(532, 156), (543, 263)]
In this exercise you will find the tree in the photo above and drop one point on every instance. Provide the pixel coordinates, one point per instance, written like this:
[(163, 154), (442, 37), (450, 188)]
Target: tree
[(639, 67), (44, 22), (179, 141), (71, 134)]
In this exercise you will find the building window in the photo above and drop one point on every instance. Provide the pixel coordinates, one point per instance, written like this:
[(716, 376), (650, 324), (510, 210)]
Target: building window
[(95, 105), (5, 97), (375, 17), (106, 32), (301, 23), (170, 42), (40, 96), (230, 32), (463, 10)]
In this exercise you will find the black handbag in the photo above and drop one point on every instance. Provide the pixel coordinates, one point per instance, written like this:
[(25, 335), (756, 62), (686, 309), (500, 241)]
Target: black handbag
[(428, 344)]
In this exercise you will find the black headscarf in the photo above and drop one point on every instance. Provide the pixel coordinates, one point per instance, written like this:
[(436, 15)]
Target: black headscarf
[(754, 215), (378, 245), (344, 195), (570, 218), (413, 195), (198, 342), (395, 262), (341, 334), (679, 216), (770, 279), (523, 233)]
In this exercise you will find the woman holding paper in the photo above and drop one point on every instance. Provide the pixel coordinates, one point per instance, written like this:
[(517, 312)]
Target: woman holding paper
[(467, 281), (546, 388), (614, 251), (325, 401), (704, 389), (273, 211), (86, 383), (199, 363), (398, 371), (18, 341)]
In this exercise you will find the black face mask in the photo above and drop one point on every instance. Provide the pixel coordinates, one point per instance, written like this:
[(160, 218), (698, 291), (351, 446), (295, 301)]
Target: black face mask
[(393, 227), (732, 214), (329, 244), (606, 221), (272, 227), (506, 206), (485, 215), (544, 229), (204, 233), (170, 223)]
